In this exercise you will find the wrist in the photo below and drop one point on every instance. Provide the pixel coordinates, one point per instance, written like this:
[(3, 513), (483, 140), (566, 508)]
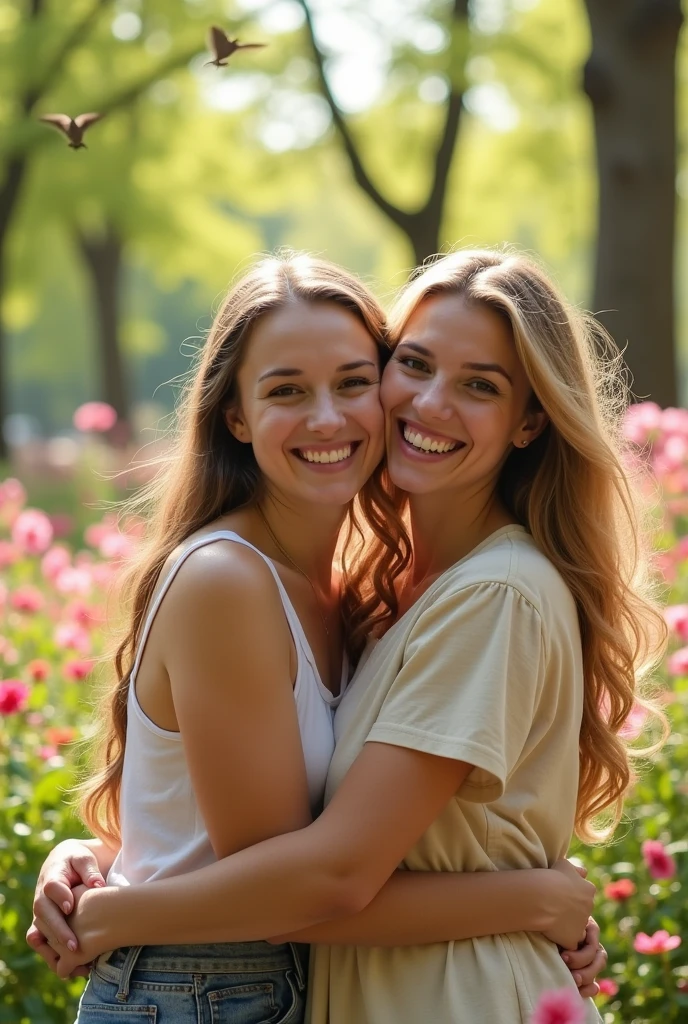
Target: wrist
[(96, 922), (546, 898)]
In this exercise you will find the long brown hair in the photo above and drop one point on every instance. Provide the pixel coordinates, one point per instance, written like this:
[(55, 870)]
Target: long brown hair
[(570, 488), (207, 473)]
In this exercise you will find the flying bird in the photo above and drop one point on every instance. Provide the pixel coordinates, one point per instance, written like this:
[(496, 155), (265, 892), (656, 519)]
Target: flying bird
[(223, 47), (73, 128)]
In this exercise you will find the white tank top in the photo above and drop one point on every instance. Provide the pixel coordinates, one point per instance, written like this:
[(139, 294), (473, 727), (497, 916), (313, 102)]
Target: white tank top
[(163, 832)]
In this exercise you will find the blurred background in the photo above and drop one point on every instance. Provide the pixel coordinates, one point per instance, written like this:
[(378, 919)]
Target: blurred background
[(374, 132)]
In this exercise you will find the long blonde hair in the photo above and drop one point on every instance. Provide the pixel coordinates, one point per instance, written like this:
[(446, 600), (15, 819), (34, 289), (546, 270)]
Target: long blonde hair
[(570, 488), (207, 473)]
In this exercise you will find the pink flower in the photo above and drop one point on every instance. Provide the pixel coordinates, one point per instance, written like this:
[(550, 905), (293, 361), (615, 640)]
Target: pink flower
[(78, 669), (13, 696), (103, 574), (45, 753), (676, 616), (12, 492), (32, 532), (674, 421), (94, 533), (607, 987), (38, 669), (660, 942), (10, 654), (562, 1006), (71, 635), (622, 889), (659, 863), (34, 718), (642, 421), (8, 554), (635, 723), (27, 599), (116, 545), (88, 616), (73, 581), (54, 561), (95, 416), (677, 663)]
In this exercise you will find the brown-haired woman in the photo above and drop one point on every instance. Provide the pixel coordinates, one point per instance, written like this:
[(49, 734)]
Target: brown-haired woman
[(281, 429)]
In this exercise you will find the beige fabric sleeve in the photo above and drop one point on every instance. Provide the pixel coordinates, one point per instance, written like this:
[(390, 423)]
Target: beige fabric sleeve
[(469, 684)]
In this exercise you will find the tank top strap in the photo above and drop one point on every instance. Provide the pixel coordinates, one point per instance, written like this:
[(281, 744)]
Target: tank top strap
[(210, 538)]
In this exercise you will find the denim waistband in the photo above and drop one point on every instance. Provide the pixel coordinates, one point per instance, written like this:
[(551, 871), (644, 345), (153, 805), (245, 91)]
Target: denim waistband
[(216, 958)]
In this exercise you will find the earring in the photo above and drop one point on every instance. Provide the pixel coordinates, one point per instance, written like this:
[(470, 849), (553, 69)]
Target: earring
[(524, 442)]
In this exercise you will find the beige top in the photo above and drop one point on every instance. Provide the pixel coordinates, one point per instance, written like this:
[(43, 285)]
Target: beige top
[(486, 668)]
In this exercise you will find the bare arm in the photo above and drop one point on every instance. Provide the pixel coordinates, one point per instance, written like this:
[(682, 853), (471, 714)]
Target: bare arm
[(227, 648), (416, 907)]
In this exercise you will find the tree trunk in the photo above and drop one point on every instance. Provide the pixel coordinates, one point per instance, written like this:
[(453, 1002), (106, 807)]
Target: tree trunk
[(103, 258), (631, 81)]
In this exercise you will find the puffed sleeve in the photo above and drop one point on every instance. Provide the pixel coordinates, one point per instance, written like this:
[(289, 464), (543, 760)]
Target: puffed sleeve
[(469, 684)]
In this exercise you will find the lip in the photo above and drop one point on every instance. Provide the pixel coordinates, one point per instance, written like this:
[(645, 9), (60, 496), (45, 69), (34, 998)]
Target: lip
[(413, 453), (326, 467)]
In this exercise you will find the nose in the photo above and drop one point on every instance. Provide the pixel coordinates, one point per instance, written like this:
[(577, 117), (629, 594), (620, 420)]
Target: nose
[(432, 401), (325, 416)]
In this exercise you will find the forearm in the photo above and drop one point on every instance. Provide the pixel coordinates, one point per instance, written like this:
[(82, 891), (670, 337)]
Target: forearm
[(278, 885), (415, 908)]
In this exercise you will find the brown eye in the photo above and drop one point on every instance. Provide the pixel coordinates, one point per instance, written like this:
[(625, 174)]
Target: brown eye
[(485, 386), (411, 363)]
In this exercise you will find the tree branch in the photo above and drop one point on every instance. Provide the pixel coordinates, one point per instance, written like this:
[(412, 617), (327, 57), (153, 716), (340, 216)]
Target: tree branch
[(452, 119), (78, 33), (133, 91), (36, 136), (363, 180)]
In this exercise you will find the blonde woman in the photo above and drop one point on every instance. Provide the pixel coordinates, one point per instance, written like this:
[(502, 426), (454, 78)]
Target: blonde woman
[(458, 741)]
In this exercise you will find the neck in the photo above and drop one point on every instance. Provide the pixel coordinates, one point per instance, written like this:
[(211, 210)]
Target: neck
[(445, 527), (308, 534)]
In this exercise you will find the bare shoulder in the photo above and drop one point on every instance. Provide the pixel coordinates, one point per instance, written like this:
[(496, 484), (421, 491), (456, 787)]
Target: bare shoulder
[(225, 577)]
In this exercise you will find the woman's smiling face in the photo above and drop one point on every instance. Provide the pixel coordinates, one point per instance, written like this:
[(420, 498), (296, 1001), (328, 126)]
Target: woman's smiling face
[(456, 398), (309, 402)]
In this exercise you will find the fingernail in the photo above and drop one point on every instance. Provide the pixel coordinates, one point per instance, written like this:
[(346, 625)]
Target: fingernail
[(98, 883), (566, 958), (578, 980), (71, 946), (66, 907)]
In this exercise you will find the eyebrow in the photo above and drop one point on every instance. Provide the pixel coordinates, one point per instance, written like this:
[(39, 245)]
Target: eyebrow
[(482, 367), (289, 371)]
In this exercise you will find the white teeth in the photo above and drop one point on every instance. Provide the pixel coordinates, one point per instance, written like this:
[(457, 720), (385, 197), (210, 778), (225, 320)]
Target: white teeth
[(427, 444), (336, 455)]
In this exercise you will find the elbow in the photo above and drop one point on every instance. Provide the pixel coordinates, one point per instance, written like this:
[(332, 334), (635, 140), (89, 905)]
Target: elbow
[(349, 892)]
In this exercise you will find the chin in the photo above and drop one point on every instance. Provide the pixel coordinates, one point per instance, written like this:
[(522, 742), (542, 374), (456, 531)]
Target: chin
[(412, 483)]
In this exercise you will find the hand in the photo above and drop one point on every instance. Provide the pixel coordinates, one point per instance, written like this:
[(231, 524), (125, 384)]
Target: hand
[(587, 962), (71, 963), (70, 863), (571, 905)]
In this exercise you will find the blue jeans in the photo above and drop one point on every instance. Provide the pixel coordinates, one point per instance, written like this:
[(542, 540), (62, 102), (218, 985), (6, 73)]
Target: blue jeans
[(224, 983)]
